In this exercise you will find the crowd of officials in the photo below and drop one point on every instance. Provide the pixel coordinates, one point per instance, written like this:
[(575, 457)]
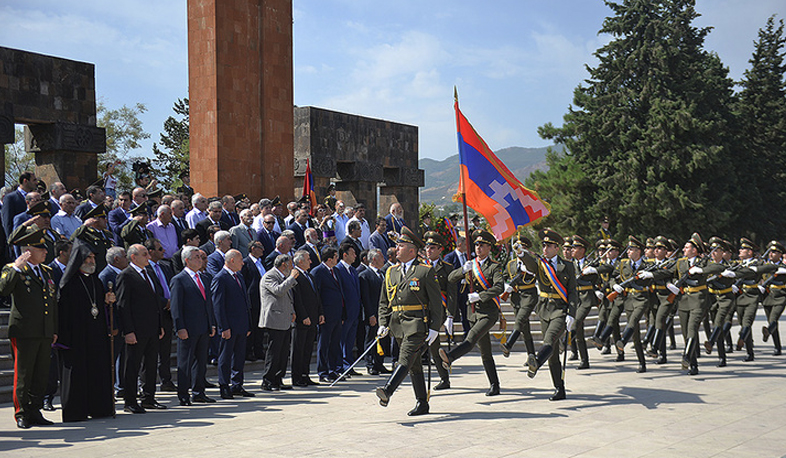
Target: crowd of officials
[(100, 288)]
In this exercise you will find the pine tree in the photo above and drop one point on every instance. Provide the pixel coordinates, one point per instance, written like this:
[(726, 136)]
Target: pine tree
[(168, 163), (650, 127)]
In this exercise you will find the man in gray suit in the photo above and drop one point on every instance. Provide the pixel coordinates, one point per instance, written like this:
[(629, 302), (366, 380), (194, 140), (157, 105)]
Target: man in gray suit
[(243, 234), (276, 317)]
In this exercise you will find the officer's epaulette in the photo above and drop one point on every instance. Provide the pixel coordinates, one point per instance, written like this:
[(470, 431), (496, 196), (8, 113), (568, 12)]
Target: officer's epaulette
[(684, 258), (423, 263), (45, 267)]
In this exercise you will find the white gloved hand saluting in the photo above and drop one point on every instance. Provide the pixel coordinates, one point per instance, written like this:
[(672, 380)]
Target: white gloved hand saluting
[(673, 288), (467, 266), (734, 289), (645, 275), (731, 274), (382, 332), (432, 336), (473, 297), (695, 270), (618, 289)]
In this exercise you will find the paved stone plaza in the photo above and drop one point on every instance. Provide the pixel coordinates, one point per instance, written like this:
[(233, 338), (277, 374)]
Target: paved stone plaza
[(737, 411)]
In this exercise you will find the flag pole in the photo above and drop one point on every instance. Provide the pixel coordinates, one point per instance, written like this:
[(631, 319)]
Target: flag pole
[(462, 190)]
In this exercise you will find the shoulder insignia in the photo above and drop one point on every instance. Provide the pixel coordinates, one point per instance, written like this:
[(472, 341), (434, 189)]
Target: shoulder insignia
[(45, 267)]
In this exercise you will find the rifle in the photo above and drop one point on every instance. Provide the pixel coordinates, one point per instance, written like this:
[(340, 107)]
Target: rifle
[(613, 295), (738, 283), (672, 297)]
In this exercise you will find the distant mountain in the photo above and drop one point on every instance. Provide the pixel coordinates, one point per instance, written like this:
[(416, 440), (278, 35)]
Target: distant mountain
[(442, 176)]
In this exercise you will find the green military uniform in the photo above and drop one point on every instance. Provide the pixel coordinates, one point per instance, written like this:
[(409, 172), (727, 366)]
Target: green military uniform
[(31, 328), (660, 299), (722, 299), (586, 287), (410, 306), (523, 297), (447, 292), (552, 309), (99, 240), (775, 296), (749, 297), (485, 277), (133, 232), (610, 311)]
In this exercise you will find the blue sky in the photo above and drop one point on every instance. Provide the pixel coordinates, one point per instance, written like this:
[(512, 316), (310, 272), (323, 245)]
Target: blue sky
[(515, 63)]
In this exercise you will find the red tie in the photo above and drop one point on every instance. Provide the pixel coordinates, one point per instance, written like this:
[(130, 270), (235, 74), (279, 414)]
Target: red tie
[(201, 286)]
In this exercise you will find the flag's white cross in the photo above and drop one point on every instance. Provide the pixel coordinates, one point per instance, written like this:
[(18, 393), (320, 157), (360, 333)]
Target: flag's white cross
[(502, 220)]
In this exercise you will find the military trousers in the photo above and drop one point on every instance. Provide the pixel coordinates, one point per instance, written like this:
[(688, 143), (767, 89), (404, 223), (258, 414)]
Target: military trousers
[(481, 323), (692, 309), (412, 344), (553, 327), (747, 304), (31, 373), (582, 311)]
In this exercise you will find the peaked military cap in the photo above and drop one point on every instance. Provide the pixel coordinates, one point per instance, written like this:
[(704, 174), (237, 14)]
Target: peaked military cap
[(157, 194), (240, 197), (662, 242), (276, 201), (650, 243), (139, 210), (481, 236), (549, 235), (776, 246), (568, 243), (45, 196), (695, 240), (521, 238), (265, 202), (674, 244), (746, 243), (331, 187), (41, 208), (611, 243), (635, 243), (580, 241), (30, 237), (717, 243), (98, 212), (407, 236), (433, 238), (600, 245)]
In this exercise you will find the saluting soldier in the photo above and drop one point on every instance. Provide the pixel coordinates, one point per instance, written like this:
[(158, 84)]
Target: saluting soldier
[(435, 243), (32, 325), (556, 307), (135, 232), (775, 298), (520, 283), (93, 232), (411, 308), (722, 297), (485, 276), (589, 295), (40, 218), (749, 294)]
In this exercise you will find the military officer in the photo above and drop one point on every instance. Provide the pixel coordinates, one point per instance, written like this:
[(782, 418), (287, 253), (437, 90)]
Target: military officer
[(93, 232), (556, 307), (435, 243), (40, 218), (749, 294), (485, 277), (134, 231), (722, 297), (520, 284), (32, 326), (411, 308), (587, 281), (775, 295)]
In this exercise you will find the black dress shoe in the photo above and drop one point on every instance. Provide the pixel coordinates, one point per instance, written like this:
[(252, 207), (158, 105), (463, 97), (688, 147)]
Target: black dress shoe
[(324, 379), (168, 387), (36, 419), (584, 365), (23, 423), (152, 405), (201, 398), (133, 408), (311, 382), (694, 370), (421, 408), (267, 386), (301, 384), (493, 390), (372, 371), (559, 394), (353, 372), (642, 369), (225, 392), (210, 385), (240, 391), (284, 386), (48, 405), (443, 384), (185, 402)]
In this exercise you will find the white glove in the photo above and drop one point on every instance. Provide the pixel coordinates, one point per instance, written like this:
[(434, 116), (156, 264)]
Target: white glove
[(671, 287), (382, 332), (762, 289), (753, 268), (570, 322), (473, 297), (731, 274), (508, 288), (734, 289), (780, 271), (618, 289), (599, 295), (467, 266), (695, 270), (589, 271), (645, 275), (449, 325), (432, 336)]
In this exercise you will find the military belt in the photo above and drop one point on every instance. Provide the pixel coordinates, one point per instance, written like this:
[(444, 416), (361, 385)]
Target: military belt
[(406, 308), (750, 286), (549, 295), (777, 286), (659, 287), (525, 287), (585, 288), (695, 289), (721, 291), (634, 290)]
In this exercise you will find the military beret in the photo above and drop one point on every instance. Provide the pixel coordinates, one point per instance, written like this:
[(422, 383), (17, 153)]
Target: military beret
[(745, 243), (407, 236), (433, 238), (776, 246), (613, 244), (98, 212), (521, 238), (481, 236), (41, 208), (139, 210), (30, 237), (549, 235), (695, 240)]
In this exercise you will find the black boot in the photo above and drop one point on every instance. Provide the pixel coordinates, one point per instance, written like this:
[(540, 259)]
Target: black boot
[(653, 351), (727, 334), (491, 373), (744, 333), (443, 384), (626, 335), (749, 348), (505, 347), (765, 332), (721, 350), (648, 336), (687, 356), (673, 341), (559, 393), (385, 392), (776, 341), (583, 365), (421, 395), (713, 338), (600, 340), (534, 362), (457, 352)]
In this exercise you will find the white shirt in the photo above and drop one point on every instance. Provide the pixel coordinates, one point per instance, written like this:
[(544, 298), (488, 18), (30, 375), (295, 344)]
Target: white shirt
[(364, 234)]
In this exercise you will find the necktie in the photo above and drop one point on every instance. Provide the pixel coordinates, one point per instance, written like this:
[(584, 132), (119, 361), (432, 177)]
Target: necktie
[(147, 279), (38, 273), (162, 280), (237, 280), (319, 258), (201, 286), (333, 273), (260, 268), (250, 234)]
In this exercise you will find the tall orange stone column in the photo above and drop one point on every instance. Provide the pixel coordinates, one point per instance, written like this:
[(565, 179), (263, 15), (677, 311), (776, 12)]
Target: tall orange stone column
[(240, 97)]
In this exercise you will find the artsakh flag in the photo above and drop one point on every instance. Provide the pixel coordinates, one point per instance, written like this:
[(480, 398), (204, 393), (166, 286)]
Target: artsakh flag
[(490, 188), (308, 189)]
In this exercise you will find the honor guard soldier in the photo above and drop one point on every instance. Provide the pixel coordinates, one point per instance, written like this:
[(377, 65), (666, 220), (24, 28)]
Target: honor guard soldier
[(775, 294), (587, 280), (603, 233), (93, 232), (556, 307), (32, 325), (134, 231), (520, 284), (40, 218), (609, 315), (435, 243), (660, 299), (722, 297), (411, 308), (749, 293), (485, 277)]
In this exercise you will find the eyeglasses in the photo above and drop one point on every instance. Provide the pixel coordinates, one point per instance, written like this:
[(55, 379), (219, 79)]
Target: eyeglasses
[(269, 222)]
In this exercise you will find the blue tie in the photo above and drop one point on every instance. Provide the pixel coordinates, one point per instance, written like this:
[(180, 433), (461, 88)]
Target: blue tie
[(162, 280)]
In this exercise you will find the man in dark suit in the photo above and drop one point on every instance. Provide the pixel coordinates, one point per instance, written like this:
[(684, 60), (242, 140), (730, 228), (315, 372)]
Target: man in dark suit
[(371, 280), (309, 314), (312, 246), (331, 295), (192, 314), (283, 245), (189, 237), (233, 317), (160, 272), (458, 257), (228, 213), (267, 235), (118, 217), (179, 220), (215, 260), (116, 261), (214, 211), (14, 201), (351, 288), (354, 230), (140, 304), (95, 197), (252, 272), (379, 238), (394, 220), (298, 226), (207, 244)]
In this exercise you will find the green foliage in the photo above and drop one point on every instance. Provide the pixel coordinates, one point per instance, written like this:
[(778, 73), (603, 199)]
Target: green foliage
[(174, 158), (16, 159), (124, 131)]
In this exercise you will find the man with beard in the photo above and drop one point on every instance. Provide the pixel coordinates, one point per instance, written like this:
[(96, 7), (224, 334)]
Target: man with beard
[(87, 386)]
